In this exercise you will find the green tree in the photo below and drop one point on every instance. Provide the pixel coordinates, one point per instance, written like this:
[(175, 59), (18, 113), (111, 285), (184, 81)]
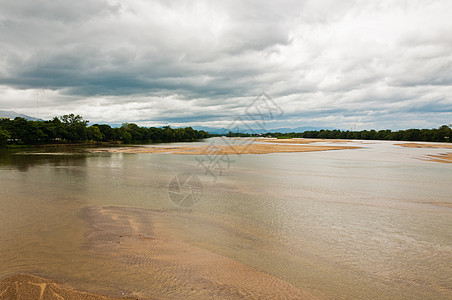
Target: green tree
[(54, 129), (168, 134), (133, 130), (72, 119), (126, 137), (94, 134), (108, 133), (26, 132), (75, 128), (443, 134), (155, 134), (4, 136)]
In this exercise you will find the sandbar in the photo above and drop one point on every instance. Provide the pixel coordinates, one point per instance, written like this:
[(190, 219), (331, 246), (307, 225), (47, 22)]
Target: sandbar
[(442, 158), (136, 239), (242, 147), (420, 145)]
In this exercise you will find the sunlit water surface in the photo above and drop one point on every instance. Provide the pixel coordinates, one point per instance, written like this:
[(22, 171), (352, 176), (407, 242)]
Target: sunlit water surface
[(370, 223)]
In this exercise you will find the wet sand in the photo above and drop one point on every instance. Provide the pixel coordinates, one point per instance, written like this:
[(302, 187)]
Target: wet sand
[(135, 239), (442, 158), (243, 148), (22, 286), (419, 145)]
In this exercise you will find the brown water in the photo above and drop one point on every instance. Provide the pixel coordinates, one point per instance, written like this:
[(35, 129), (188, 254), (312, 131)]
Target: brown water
[(372, 223)]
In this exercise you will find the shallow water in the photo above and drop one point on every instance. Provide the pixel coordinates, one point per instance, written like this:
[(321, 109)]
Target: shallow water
[(369, 223)]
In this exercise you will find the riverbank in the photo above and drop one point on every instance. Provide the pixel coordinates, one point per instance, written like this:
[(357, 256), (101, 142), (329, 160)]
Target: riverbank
[(425, 145), (61, 145), (442, 158)]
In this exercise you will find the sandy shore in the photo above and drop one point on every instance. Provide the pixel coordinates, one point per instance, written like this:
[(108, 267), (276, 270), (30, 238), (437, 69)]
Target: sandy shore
[(22, 286), (243, 147), (442, 158), (134, 239), (419, 145)]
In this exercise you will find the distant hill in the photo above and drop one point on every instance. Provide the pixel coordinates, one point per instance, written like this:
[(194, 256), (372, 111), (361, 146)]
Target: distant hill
[(13, 114), (215, 130), (297, 129)]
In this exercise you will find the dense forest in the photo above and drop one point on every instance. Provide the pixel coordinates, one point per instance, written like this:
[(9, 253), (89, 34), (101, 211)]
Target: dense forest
[(442, 134), (74, 129)]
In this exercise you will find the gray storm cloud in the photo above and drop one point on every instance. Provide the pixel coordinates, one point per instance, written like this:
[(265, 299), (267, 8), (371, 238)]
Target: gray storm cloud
[(326, 63)]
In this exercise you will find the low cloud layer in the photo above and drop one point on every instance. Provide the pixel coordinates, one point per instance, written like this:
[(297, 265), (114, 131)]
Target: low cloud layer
[(341, 64)]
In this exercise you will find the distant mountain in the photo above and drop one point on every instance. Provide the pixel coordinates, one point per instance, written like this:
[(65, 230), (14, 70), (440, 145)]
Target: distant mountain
[(216, 130), (213, 130), (12, 115), (113, 125), (297, 129)]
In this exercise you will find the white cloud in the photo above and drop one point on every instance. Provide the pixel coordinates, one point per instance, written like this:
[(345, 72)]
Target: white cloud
[(329, 63)]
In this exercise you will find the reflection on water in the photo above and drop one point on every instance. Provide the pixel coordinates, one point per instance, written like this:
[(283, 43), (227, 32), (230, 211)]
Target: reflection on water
[(22, 160), (369, 223)]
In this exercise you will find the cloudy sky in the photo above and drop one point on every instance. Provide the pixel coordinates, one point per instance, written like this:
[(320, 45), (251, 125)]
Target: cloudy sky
[(326, 63)]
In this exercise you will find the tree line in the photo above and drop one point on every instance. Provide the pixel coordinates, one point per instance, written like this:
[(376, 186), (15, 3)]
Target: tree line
[(442, 134), (74, 129)]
